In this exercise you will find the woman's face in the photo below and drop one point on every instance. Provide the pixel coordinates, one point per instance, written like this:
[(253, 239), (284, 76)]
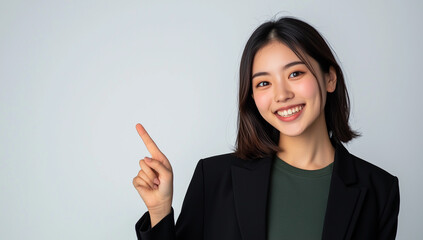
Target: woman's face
[(286, 92)]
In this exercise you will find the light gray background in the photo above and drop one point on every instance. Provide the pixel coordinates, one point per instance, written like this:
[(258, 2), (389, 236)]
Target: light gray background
[(76, 76)]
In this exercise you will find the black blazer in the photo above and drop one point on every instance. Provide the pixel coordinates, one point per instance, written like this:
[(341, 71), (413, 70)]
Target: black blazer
[(227, 199)]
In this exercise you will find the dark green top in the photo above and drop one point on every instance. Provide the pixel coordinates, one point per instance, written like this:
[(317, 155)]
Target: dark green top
[(297, 201)]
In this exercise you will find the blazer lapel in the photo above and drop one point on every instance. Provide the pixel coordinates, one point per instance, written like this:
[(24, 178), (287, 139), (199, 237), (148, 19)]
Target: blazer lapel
[(250, 179), (344, 200)]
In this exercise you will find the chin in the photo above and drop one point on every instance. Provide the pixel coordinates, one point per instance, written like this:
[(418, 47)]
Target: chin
[(291, 132)]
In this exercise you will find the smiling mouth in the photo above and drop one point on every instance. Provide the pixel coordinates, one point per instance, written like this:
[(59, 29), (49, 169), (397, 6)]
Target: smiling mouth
[(290, 112)]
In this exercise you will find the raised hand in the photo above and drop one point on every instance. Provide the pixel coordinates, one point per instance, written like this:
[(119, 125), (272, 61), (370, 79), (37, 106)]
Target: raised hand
[(154, 181)]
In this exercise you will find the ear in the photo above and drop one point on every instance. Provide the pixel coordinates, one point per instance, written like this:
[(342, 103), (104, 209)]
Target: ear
[(331, 80)]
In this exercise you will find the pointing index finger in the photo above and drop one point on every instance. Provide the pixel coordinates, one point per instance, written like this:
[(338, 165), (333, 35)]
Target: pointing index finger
[(149, 143)]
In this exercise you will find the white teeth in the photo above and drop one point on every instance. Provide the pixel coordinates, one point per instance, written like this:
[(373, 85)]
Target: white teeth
[(290, 112)]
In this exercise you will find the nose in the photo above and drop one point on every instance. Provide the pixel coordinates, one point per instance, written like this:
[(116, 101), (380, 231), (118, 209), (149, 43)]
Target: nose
[(282, 91)]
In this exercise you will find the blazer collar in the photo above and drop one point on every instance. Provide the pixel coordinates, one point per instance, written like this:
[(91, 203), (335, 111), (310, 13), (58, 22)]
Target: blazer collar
[(250, 179)]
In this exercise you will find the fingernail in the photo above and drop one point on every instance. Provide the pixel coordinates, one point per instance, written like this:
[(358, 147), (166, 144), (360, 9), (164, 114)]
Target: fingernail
[(156, 181), (147, 159)]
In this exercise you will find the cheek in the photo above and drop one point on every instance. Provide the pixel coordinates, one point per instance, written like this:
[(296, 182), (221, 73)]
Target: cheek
[(309, 88), (262, 101)]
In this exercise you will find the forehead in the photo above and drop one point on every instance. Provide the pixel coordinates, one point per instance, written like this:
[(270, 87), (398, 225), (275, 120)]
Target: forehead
[(273, 52)]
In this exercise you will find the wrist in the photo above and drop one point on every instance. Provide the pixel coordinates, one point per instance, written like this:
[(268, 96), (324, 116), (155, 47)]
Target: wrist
[(157, 214)]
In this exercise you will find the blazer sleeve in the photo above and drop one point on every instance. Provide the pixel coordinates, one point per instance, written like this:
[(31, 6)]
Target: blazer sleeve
[(190, 223), (389, 218)]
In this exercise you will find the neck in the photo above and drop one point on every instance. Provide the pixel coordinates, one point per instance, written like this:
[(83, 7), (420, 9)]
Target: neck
[(311, 150)]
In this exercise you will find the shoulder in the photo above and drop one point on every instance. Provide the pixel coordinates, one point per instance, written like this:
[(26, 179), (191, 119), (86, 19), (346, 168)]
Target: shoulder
[(366, 169), (354, 169), (217, 168), (382, 189), (218, 162), (359, 173), (377, 180), (225, 157)]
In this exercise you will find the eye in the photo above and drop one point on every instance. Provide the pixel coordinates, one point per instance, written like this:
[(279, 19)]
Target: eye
[(262, 84), (295, 74)]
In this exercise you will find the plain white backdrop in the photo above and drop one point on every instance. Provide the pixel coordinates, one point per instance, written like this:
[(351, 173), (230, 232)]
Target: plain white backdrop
[(76, 76)]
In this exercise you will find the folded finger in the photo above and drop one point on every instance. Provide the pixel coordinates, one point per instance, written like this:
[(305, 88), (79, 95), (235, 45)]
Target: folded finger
[(158, 167), (139, 182), (149, 171), (144, 177)]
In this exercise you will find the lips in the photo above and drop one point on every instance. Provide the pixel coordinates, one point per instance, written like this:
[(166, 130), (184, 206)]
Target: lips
[(289, 107), (290, 113)]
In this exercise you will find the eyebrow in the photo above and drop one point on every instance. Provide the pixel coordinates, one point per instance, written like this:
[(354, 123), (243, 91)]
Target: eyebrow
[(284, 68)]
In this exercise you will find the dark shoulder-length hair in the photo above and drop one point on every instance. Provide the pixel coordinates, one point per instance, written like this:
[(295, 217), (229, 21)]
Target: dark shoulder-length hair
[(256, 138)]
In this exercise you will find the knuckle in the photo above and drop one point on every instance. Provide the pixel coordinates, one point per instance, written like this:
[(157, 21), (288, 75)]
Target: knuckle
[(147, 169), (136, 181), (169, 177), (142, 174), (152, 164), (146, 178), (142, 163)]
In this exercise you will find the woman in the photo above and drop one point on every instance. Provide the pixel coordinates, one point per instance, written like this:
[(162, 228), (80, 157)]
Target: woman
[(290, 176)]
